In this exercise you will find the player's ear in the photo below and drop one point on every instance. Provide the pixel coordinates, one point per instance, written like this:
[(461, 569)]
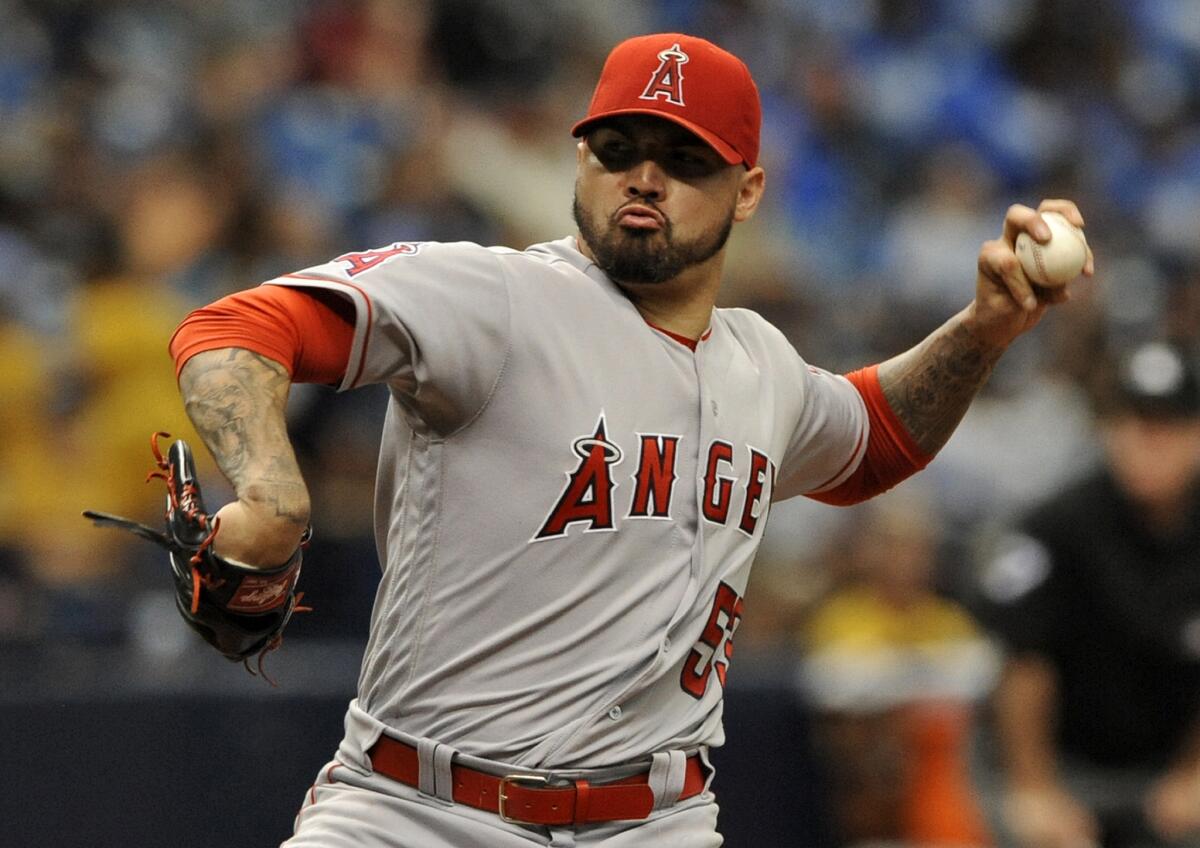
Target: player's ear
[(750, 191), (581, 150)]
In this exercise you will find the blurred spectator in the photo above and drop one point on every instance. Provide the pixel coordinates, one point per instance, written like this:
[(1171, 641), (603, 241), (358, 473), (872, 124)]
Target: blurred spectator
[(109, 395), (936, 235), (895, 669), (26, 396), (1097, 596)]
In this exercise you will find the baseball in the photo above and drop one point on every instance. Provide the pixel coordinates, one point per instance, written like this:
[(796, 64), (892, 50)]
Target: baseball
[(1059, 260)]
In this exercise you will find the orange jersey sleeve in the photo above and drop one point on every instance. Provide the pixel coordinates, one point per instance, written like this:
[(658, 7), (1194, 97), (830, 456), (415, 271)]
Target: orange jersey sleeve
[(891, 455), (308, 332)]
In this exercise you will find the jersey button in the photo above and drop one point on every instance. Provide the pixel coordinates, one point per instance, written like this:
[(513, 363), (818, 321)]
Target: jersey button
[(614, 713), (666, 644)]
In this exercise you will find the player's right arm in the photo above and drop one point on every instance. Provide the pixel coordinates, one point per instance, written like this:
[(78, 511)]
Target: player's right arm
[(236, 360), (236, 399), (381, 316)]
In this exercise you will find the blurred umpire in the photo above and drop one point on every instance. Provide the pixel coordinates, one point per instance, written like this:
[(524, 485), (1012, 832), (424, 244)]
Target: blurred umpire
[(1097, 598)]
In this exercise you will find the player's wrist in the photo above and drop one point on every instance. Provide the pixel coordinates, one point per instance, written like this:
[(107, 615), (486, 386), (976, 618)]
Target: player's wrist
[(990, 332), (276, 502), (252, 535)]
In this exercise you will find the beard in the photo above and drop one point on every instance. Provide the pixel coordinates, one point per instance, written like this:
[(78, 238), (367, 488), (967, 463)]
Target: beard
[(647, 256)]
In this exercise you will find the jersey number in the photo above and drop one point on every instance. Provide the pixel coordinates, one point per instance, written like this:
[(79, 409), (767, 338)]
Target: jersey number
[(708, 654)]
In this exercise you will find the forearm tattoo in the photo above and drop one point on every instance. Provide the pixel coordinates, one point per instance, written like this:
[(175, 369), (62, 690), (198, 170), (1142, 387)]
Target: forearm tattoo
[(931, 386), (236, 400)]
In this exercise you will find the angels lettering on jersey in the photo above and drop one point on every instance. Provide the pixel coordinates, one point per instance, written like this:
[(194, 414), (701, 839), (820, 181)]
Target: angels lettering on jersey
[(589, 497)]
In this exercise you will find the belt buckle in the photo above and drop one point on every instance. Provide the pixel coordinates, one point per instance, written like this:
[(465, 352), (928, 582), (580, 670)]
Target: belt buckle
[(536, 780)]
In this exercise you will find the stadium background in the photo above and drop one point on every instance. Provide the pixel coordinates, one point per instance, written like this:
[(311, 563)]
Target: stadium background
[(156, 155)]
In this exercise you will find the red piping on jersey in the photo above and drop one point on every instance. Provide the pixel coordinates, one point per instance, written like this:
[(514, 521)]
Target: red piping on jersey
[(328, 779), (842, 470), (362, 360), (312, 796), (891, 456), (683, 340)]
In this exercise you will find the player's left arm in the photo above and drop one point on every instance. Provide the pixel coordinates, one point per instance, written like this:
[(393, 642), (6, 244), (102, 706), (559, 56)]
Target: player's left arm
[(930, 386)]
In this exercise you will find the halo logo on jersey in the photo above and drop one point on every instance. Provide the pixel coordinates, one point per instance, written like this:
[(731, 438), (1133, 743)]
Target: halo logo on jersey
[(588, 495), (667, 80), (368, 259)]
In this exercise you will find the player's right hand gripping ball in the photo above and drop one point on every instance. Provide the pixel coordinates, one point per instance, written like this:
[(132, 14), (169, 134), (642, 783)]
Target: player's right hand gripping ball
[(238, 609), (1059, 260)]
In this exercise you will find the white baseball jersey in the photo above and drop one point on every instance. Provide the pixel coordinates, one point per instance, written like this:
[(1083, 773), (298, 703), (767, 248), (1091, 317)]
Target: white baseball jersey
[(568, 499)]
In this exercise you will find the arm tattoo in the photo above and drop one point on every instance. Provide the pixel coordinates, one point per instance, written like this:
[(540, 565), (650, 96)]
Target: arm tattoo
[(236, 399), (930, 386)]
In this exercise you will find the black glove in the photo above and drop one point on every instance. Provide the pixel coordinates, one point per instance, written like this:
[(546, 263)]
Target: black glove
[(238, 609)]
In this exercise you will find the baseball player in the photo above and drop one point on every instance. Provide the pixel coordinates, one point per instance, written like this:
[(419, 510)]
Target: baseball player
[(578, 460)]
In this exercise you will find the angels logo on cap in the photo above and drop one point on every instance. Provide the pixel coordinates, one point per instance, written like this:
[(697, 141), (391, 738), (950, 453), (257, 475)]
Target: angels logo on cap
[(722, 104), (667, 79)]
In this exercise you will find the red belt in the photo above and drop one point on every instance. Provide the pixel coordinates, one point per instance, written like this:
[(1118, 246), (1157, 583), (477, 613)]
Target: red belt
[(529, 799)]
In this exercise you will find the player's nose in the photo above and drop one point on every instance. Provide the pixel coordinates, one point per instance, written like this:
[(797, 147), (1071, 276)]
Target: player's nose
[(646, 179)]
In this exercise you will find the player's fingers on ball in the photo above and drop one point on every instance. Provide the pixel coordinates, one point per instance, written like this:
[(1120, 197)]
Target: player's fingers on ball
[(1066, 208), (999, 263), (1070, 211), (1019, 219)]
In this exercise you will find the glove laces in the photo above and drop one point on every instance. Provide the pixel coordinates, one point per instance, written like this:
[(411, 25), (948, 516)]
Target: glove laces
[(186, 502)]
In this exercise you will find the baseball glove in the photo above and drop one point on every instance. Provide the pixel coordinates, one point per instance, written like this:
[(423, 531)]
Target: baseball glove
[(238, 609)]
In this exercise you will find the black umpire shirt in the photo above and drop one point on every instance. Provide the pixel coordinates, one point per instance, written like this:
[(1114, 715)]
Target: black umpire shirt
[(1116, 611)]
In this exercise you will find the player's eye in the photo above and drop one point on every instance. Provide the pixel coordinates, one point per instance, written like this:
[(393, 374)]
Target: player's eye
[(616, 154), (686, 162)]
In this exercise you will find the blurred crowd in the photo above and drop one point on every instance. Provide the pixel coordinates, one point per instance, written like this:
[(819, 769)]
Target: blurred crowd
[(157, 155)]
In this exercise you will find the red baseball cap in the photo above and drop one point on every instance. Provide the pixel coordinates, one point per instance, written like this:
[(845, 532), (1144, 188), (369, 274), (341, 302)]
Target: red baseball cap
[(687, 80)]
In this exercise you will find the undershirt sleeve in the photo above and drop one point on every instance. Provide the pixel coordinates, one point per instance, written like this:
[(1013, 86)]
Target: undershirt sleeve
[(892, 455), (307, 331)]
